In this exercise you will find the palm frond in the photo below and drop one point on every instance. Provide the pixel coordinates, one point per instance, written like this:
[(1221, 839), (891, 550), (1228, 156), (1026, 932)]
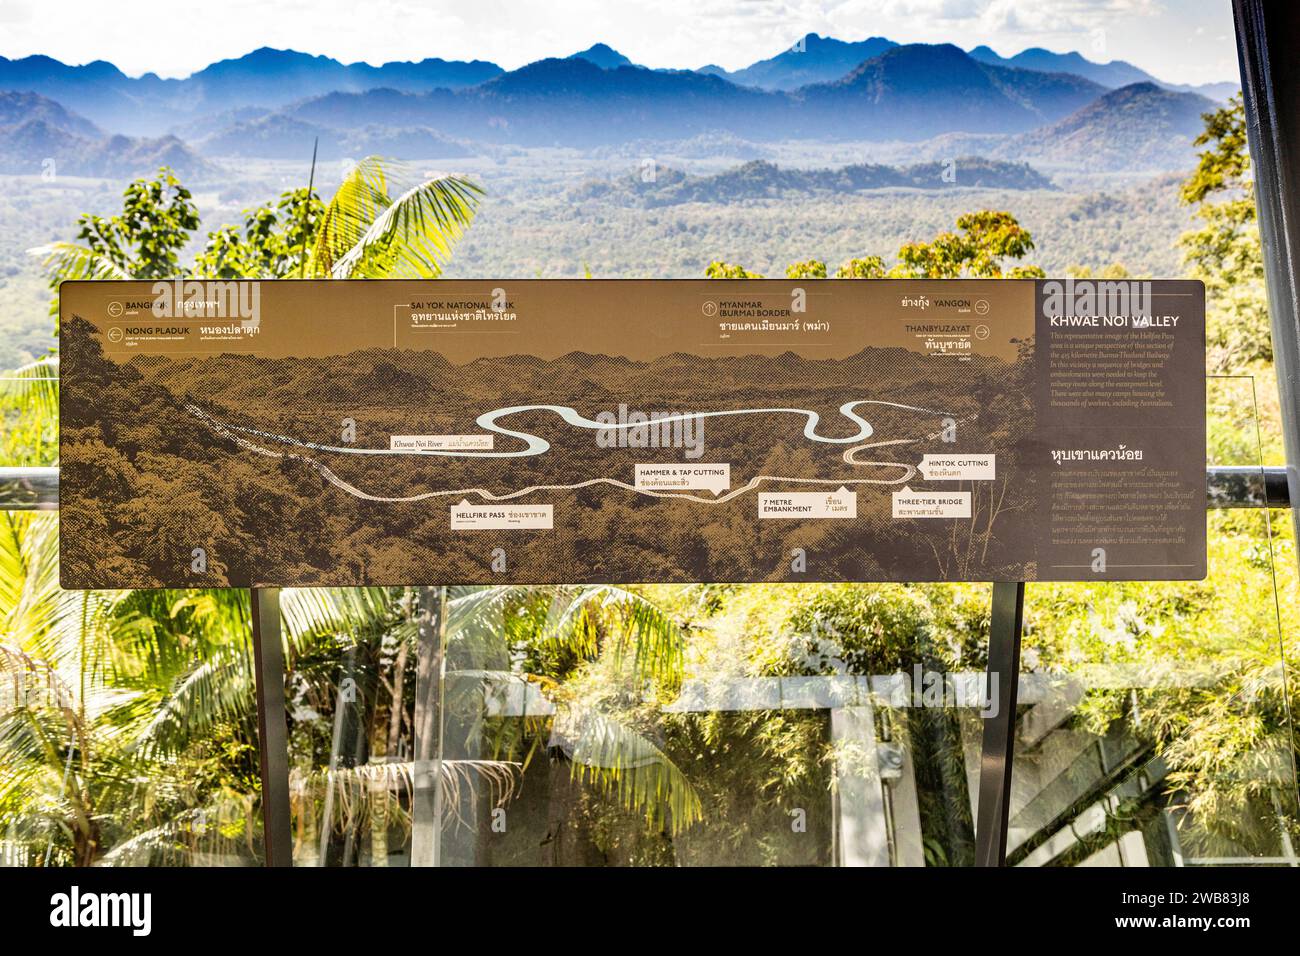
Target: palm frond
[(627, 766), (33, 387), (30, 599), (460, 782), (69, 261), (334, 610), (656, 640), (220, 688), (385, 222), (221, 828)]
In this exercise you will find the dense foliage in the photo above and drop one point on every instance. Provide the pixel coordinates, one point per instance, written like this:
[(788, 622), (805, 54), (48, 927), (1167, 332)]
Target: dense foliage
[(126, 721)]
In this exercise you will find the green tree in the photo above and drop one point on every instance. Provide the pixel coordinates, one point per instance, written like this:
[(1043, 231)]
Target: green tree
[(275, 241), (725, 270), (867, 267), (384, 221), (1225, 251), (980, 249), (144, 242), (986, 238), (811, 269)]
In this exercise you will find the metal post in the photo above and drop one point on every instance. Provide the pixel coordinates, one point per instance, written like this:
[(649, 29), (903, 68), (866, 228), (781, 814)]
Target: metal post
[(29, 489), (426, 801), (272, 725), (1267, 33), (998, 751)]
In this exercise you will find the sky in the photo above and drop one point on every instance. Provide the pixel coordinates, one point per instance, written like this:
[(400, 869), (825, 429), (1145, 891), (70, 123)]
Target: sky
[(1179, 41)]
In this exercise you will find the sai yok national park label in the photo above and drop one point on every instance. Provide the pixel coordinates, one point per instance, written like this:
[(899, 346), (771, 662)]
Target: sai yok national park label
[(300, 433)]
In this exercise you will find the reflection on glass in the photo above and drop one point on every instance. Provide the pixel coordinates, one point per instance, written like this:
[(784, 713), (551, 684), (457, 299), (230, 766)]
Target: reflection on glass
[(29, 415), (1155, 721), (794, 725), (349, 694), (704, 726), (127, 720), (690, 725)]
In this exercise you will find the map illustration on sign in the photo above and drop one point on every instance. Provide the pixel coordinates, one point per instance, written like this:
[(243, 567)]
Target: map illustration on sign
[(399, 432)]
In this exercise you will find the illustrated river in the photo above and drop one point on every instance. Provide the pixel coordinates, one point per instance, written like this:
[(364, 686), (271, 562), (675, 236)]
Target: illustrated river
[(535, 445)]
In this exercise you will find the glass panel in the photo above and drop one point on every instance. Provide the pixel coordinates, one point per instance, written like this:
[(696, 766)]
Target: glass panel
[(706, 725), (29, 415), (1154, 725), (649, 726), (128, 732), (350, 695)]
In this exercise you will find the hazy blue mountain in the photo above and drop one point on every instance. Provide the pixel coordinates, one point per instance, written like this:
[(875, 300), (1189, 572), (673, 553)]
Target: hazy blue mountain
[(823, 87), (16, 108), (571, 102), (265, 77), (1114, 74), (814, 59), (1221, 91), (764, 180), (39, 136), (920, 90), (273, 77), (909, 92), (603, 56), (1140, 126), (98, 90), (274, 137), (39, 147), (430, 73), (284, 137), (206, 125)]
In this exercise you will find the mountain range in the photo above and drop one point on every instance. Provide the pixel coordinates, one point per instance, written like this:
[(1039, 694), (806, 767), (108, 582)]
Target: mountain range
[(274, 104), (760, 179), (907, 93), (812, 59), (1137, 127), (272, 79), (150, 105), (1114, 74), (39, 136)]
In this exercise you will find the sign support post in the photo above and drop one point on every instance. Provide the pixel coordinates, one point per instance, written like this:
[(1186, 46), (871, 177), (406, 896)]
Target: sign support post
[(998, 751), (272, 725)]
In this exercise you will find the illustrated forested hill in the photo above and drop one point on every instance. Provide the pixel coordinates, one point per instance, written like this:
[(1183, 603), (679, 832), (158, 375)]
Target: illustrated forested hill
[(161, 456)]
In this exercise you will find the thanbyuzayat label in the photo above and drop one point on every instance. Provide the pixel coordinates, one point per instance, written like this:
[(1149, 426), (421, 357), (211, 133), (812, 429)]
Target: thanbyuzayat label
[(468, 517), (931, 504), (808, 504), (440, 443), (958, 467), (714, 478)]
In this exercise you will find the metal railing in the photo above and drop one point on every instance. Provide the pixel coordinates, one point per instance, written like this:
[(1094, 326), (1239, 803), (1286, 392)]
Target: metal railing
[(37, 489)]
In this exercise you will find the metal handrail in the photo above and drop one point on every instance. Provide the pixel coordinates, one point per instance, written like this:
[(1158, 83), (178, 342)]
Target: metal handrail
[(37, 489)]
